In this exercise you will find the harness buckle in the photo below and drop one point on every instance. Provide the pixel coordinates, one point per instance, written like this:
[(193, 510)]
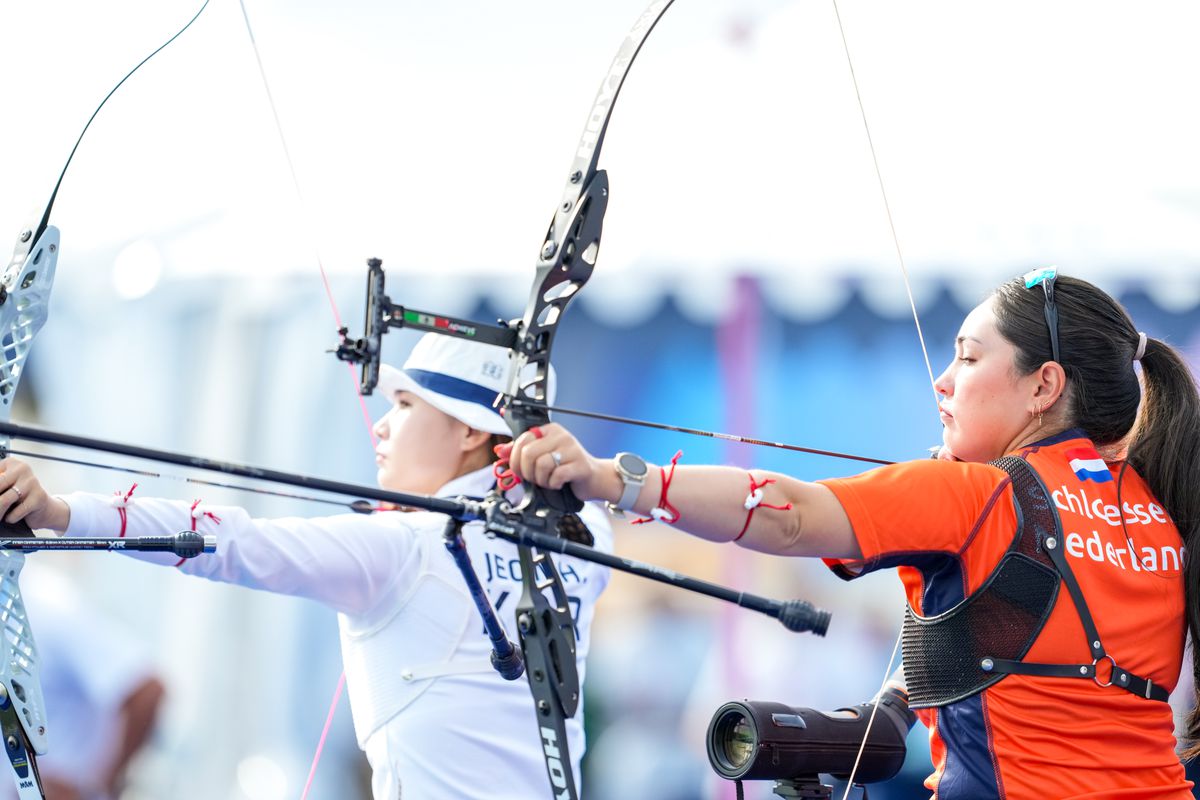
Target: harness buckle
[(1096, 676)]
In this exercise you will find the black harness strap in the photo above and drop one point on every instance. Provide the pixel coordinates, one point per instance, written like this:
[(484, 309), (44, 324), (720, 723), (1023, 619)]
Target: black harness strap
[(957, 654), (1033, 493)]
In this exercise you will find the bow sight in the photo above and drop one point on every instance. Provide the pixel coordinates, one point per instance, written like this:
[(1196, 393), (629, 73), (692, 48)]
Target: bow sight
[(382, 315)]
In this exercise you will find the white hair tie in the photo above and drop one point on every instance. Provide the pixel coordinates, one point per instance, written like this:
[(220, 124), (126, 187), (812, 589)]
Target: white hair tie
[(1141, 346)]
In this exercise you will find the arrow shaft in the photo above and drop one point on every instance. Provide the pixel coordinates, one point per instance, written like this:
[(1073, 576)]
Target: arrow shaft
[(729, 437)]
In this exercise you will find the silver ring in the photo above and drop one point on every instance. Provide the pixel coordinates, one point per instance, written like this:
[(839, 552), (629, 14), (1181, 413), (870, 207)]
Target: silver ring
[(557, 456), (15, 489)]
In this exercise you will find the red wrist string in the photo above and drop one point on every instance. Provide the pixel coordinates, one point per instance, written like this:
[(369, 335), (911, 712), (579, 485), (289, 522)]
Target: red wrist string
[(754, 500), (664, 511)]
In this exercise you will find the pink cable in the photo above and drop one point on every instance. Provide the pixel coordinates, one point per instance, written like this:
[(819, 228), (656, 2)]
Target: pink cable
[(312, 771)]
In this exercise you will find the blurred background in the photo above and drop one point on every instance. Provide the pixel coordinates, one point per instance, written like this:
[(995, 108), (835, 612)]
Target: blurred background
[(748, 282)]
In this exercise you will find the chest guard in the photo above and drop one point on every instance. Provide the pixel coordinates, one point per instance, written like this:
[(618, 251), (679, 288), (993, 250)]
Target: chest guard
[(959, 653)]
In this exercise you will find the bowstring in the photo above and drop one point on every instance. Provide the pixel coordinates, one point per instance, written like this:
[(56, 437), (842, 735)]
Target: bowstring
[(920, 336), (337, 692), (887, 206), (304, 211)]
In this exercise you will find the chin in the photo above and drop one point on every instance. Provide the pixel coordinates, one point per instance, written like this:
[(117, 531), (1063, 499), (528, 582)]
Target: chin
[(960, 450)]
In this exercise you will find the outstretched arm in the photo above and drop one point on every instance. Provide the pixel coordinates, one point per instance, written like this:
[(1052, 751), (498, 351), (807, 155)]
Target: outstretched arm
[(348, 562), (711, 501)]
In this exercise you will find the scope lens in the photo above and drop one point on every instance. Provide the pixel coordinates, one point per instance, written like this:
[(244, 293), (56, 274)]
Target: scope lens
[(737, 739)]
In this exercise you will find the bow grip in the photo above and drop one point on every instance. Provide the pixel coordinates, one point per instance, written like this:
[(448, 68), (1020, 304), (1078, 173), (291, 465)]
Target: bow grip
[(16, 530), (566, 507)]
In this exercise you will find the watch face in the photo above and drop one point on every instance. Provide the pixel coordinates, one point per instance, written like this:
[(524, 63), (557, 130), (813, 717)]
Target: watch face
[(631, 464)]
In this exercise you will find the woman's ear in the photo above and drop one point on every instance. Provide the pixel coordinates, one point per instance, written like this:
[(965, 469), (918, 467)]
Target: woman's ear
[(473, 439), (1051, 383)]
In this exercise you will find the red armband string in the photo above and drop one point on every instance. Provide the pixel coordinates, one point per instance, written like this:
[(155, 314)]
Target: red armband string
[(754, 500), (196, 513), (664, 511), (121, 502)]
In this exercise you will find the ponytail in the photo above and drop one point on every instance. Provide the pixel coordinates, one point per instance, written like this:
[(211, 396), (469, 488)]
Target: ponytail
[(1165, 450)]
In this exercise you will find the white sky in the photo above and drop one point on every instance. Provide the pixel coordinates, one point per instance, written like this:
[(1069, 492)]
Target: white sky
[(437, 136)]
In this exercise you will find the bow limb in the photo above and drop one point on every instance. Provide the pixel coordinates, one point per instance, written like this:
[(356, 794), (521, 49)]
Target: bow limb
[(567, 257), (25, 287)]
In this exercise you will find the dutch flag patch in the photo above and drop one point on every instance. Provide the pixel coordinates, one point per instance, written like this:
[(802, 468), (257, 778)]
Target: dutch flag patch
[(1088, 465)]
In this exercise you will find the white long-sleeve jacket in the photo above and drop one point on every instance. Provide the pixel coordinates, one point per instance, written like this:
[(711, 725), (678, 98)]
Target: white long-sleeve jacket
[(432, 716)]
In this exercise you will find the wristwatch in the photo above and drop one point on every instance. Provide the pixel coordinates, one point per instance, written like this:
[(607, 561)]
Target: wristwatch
[(632, 469)]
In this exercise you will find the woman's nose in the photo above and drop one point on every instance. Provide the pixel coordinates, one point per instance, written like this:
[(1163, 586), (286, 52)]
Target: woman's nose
[(943, 384)]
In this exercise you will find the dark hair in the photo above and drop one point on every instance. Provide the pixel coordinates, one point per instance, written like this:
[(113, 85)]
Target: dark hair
[(1097, 342)]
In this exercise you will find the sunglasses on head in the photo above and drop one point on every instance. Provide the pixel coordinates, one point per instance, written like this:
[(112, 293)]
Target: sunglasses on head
[(1045, 277)]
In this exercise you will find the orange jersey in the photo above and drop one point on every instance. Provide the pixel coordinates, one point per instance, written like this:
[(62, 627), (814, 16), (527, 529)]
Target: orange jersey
[(945, 525)]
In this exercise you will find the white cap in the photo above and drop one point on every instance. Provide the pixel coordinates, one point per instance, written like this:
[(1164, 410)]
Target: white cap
[(458, 377)]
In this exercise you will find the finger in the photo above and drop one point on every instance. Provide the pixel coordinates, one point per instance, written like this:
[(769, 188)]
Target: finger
[(19, 510), (8, 498), (568, 472), (543, 468), (525, 459), (524, 464), (14, 469), (516, 456)]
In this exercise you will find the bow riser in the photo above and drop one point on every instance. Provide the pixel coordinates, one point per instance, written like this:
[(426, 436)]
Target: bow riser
[(19, 670), (556, 283), (24, 306)]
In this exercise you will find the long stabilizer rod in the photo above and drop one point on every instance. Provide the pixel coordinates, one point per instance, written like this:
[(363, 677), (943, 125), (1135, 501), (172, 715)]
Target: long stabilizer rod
[(185, 544), (459, 508)]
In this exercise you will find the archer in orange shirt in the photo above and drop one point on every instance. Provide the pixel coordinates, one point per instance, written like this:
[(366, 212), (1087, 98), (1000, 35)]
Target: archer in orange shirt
[(1043, 553)]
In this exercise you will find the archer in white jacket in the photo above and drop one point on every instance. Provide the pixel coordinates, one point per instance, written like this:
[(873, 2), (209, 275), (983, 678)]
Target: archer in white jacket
[(434, 718)]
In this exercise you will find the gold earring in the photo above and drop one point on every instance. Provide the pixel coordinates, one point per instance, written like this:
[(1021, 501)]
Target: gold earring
[(1039, 415)]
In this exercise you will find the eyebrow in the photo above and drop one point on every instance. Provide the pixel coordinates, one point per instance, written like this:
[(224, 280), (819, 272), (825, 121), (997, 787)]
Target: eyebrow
[(962, 339)]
